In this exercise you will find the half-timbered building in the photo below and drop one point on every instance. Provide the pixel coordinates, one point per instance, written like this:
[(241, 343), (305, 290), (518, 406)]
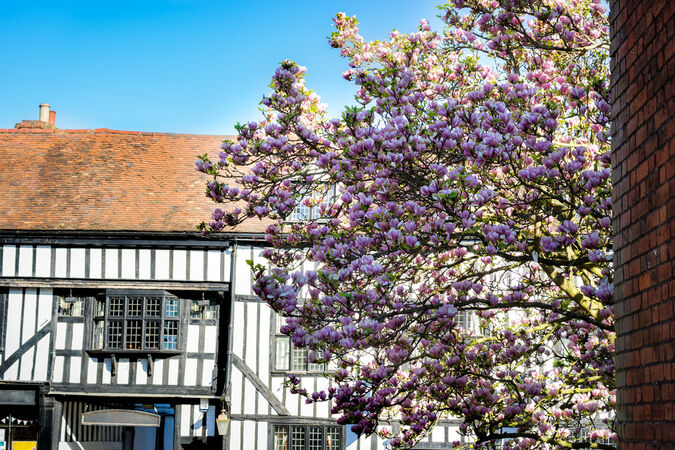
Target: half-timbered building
[(121, 327)]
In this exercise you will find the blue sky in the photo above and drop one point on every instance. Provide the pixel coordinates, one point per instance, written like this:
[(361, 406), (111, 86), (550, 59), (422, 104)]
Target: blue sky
[(182, 66)]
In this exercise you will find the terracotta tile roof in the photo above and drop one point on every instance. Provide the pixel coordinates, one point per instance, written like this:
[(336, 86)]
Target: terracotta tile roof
[(104, 180)]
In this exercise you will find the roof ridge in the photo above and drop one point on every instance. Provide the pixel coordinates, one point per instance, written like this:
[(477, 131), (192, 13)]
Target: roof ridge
[(106, 131)]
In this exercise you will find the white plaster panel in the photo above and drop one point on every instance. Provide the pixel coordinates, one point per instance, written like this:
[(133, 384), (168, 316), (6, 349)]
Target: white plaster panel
[(61, 263), (42, 358), (235, 435), (95, 262), (123, 371), (8, 260), (190, 375), (27, 364), (173, 371), (322, 408), (227, 266), (128, 263), (111, 263), (197, 420), (25, 261), (29, 313), (60, 343), (142, 371), (107, 371), (249, 434), (438, 434), (157, 371), (210, 338), (185, 419), (58, 369), (78, 336), (45, 304), (264, 345), (193, 339), (162, 264), (243, 271), (75, 369), (305, 409), (237, 390), (252, 331), (179, 264), (43, 261), (77, 262), (213, 272), (238, 331), (12, 373), (144, 262), (92, 370), (291, 402), (13, 336), (196, 265), (207, 372), (262, 434)]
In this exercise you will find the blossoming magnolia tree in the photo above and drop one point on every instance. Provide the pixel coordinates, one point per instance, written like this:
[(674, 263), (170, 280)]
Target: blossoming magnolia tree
[(471, 175)]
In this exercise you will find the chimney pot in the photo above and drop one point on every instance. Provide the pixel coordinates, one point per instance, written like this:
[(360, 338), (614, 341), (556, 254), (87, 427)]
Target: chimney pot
[(52, 118), (44, 112)]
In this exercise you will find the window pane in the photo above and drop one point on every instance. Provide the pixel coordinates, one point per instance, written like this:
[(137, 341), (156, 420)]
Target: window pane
[(170, 335), (195, 310), (280, 321), (171, 307), (99, 333), (152, 305), (314, 367), (135, 306), (134, 332), (315, 438), (100, 308), (116, 306), (282, 353), (280, 438), (152, 335), (299, 359), (71, 306), (210, 312), (115, 334), (301, 212), (333, 436), (298, 439)]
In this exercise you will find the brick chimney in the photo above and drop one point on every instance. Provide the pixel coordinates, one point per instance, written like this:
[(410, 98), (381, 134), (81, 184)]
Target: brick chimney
[(47, 119)]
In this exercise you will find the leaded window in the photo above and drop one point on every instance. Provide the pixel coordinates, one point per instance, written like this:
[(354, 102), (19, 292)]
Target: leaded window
[(307, 207), (203, 309), (136, 322), (70, 306), (288, 357), (307, 437)]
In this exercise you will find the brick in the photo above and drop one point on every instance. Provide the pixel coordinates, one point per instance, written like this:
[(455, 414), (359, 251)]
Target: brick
[(643, 69)]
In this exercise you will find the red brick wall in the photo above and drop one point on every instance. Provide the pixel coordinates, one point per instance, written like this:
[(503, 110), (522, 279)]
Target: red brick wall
[(643, 82)]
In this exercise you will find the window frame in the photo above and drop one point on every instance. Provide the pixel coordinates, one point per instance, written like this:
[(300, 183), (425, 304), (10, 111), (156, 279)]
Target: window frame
[(94, 318), (330, 196), (63, 297), (277, 335), (341, 430)]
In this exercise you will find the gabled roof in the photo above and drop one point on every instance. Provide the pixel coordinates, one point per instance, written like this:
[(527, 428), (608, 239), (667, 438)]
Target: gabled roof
[(103, 180)]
